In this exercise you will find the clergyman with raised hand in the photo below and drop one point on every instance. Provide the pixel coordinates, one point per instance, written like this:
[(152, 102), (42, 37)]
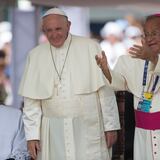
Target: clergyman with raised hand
[(139, 73)]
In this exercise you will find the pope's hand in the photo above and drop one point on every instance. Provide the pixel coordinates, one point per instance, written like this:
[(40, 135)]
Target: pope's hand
[(111, 138), (33, 148)]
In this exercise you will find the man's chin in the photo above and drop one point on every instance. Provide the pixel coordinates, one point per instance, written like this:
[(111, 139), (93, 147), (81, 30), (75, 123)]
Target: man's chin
[(57, 45)]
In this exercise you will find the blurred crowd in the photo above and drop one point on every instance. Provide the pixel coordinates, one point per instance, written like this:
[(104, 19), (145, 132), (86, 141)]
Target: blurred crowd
[(118, 36), (5, 60)]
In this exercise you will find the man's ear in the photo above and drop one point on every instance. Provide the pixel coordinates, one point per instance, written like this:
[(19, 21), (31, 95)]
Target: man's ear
[(42, 29), (69, 24)]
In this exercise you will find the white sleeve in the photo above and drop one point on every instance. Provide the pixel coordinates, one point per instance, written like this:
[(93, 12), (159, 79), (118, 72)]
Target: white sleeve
[(32, 118), (118, 81), (109, 109), (120, 74)]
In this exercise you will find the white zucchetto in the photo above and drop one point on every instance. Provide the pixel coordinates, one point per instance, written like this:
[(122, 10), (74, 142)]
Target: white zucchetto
[(54, 11)]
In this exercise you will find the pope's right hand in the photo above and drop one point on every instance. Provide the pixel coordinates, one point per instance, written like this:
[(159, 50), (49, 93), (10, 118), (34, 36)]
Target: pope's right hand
[(33, 148)]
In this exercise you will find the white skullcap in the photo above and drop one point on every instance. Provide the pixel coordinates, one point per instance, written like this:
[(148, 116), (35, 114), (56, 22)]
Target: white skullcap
[(133, 31), (54, 11), (111, 28)]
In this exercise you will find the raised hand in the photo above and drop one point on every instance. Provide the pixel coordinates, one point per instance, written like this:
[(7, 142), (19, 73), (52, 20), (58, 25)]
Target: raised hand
[(101, 60), (143, 52)]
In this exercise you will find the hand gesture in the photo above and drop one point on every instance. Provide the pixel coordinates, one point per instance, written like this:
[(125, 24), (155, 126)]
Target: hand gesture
[(101, 60), (143, 52)]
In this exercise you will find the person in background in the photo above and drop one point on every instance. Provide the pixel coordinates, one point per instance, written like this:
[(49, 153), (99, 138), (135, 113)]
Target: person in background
[(139, 73), (69, 112), (4, 80), (112, 43), (133, 36), (13, 144), (5, 44)]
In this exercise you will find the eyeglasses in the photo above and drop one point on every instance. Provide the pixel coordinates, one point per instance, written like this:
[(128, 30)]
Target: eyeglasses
[(153, 34)]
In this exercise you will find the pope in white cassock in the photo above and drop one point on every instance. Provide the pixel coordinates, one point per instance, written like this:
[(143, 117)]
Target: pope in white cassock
[(12, 138), (69, 113)]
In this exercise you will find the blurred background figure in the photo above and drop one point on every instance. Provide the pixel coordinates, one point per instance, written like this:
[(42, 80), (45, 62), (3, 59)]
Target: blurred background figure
[(134, 21), (4, 79), (12, 138), (5, 43), (132, 36), (112, 44), (122, 23)]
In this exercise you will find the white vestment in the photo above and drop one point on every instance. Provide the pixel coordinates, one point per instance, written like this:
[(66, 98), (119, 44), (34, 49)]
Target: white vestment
[(128, 75), (76, 110), (12, 137)]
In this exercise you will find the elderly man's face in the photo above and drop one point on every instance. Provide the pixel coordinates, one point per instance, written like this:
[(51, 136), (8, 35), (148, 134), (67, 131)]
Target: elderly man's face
[(152, 34), (56, 28)]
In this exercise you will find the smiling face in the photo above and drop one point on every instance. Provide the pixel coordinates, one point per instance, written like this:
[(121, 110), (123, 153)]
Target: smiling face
[(56, 29), (152, 34)]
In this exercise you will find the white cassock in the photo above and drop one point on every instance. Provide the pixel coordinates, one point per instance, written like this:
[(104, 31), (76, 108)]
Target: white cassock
[(12, 137), (75, 111), (128, 75)]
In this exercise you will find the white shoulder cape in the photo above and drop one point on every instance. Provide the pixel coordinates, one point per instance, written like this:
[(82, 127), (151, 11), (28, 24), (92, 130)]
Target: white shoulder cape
[(86, 77)]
